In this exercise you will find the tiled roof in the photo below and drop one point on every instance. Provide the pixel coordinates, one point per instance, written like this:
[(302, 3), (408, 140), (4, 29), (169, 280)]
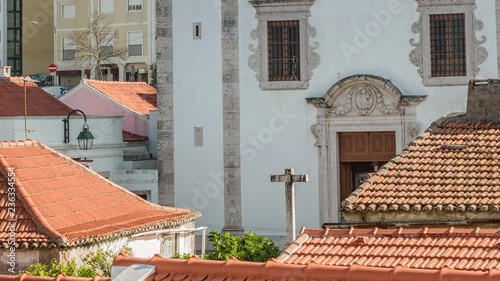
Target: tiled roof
[(39, 102), (453, 166), (137, 96), (60, 277), (62, 203), (232, 269), (128, 136), (460, 249)]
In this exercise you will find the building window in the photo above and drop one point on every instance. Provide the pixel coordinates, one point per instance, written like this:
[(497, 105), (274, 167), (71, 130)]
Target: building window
[(447, 52), (135, 43), (106, 6), (447, 35), (14, 37), (68, 11), (69, 49), (106, 45), (134, 5), (283, 45), (283, 58)]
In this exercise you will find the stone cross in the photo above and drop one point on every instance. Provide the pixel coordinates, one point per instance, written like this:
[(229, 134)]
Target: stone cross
[(289, 179)]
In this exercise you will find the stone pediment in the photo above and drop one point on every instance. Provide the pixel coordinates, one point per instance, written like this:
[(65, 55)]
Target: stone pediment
[(364, 95)]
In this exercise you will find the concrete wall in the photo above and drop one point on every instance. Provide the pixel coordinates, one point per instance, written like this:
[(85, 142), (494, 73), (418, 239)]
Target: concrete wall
[(77, 253), (137, 181), (165, 244), (38, 40), (92, 103), (107, 151), (24, 257), (198, 103), (275, 125)]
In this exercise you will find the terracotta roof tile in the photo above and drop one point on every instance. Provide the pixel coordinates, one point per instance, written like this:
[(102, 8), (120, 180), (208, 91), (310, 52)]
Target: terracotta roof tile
[(128, 137), (232, 269), (454, 167), (430, 249), (137, 96), (60, 202), (39, 102)]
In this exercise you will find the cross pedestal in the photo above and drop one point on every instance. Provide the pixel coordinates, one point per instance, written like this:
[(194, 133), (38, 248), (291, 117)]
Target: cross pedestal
[(289, 179)]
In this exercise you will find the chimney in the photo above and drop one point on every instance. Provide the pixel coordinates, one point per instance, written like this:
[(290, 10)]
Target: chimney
[(5, 71), (483, 100)]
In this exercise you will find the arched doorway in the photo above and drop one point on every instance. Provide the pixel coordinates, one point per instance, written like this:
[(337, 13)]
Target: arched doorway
[(362, 122)]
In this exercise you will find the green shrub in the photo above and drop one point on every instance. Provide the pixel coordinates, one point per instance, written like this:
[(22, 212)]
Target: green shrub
[(52, 270), (184, 256), (250, 247), (94, 263)]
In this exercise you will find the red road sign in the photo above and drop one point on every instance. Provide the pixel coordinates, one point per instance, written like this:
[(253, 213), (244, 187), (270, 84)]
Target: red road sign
[(52, 68)]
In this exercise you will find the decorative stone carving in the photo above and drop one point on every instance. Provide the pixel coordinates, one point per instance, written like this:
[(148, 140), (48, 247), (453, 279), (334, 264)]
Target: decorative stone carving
[(417, 54), (364, 93), (431, 3), (316, 131), (344, 106), (313, 59), (364, 100), (268, 10), (255, 59), (420, 55), (480, 53)]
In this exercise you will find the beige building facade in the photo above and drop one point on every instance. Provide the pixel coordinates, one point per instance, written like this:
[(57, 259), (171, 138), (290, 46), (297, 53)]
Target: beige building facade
[(132, 21), (37, 36)]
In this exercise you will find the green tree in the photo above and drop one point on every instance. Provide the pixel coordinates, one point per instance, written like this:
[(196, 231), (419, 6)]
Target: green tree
[(250, 247)]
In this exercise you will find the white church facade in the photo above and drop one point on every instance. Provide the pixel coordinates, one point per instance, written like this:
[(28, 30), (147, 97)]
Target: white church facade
[(331, 88)]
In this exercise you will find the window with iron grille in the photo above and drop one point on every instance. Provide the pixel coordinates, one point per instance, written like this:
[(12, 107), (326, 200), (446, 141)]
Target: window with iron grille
[(283, 50), (449, 49), (447, 45)]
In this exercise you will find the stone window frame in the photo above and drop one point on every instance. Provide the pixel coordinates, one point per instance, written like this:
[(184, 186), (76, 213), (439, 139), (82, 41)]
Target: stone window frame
[(475, 53), (277, 10)]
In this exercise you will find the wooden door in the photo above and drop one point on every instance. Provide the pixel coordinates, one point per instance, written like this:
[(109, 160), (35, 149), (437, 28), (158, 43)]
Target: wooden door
[(362, 147), (367, 146)]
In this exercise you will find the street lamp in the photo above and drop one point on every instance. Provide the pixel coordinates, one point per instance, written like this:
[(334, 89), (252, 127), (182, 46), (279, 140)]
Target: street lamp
[(85, 138), (38, 23)]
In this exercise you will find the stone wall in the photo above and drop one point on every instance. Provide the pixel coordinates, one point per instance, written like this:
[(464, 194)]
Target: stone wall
[(165, 84), (445, 217), (483, 100), (25, 257)]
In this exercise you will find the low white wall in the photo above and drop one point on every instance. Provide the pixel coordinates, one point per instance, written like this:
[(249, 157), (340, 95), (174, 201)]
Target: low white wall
[(136, 181)]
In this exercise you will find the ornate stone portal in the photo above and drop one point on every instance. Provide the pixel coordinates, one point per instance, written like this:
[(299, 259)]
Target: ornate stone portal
[(359, 103)]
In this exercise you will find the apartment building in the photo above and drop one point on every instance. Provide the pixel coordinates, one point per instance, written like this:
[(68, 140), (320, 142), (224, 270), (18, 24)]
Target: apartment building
[(3, 34), (26, 35), (133, 24)]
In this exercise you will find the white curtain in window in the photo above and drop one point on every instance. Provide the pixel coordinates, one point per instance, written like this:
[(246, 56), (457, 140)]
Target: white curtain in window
[(68, 11), (135, 43), (134, 2), (108, 40), (135, 38), (69, 44), (106, 6)]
